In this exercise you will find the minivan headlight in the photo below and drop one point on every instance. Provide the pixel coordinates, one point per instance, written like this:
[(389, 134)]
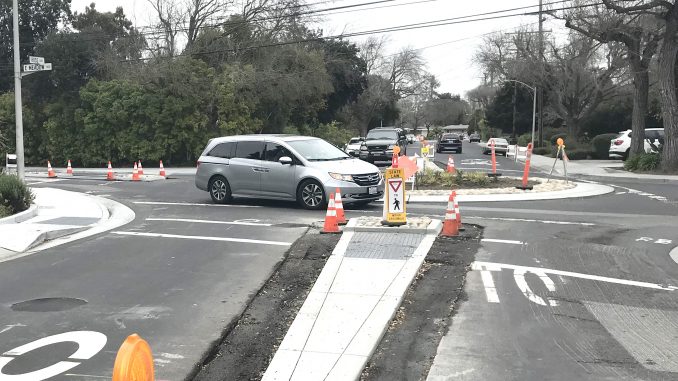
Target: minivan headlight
[(339, 176)]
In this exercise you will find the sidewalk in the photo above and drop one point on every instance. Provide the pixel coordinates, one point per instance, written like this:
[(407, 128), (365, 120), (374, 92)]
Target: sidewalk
[(353, 300), (56, 217), (600, 170)]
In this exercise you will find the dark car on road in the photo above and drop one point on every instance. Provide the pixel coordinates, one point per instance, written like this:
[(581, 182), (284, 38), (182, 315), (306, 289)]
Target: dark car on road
[(449, 142), (380, 142), (474, 138)]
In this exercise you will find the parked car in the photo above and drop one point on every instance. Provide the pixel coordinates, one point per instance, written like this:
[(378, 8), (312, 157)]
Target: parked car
[(500, 146), (621, 145), (449, 142), (353, 146), (474, 138), (411, 138), (284, 167), (380, 142)]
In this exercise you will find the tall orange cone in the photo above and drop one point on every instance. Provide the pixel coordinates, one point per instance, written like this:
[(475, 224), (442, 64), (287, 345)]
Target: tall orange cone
[(339, 206), (50, 171), (331, 225), (450, 225), (162, 170), (135, 173), (450, 165), (69, 169), (457, 214), (134, 361), (110, 175), (141, 169)]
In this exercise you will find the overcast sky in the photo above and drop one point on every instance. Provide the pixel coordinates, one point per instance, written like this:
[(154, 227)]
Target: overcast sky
[(451, 62)]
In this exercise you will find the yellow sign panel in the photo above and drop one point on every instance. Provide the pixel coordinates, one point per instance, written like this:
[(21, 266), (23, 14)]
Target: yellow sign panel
[(395, 207), (424, 151)]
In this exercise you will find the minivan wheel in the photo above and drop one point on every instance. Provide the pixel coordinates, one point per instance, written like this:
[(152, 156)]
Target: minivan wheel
[(311, 195), (219, 190)]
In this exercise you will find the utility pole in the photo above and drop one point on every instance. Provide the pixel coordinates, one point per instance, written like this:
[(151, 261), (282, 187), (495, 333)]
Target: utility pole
[(515, 95), (541, 75), (17, 95)]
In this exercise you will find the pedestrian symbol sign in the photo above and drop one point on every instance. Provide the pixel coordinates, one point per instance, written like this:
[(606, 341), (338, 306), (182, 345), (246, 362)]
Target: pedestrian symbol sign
[(394, 208)]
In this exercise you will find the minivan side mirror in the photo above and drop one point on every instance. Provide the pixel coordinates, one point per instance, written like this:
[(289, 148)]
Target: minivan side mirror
[(285, 160)]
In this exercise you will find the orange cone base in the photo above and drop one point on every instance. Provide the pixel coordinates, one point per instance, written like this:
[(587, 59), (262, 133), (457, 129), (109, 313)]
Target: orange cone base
[(134, 361), (450, 228)]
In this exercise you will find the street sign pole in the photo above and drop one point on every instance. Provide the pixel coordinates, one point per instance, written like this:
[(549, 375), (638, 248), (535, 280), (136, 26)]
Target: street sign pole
[(17, 95)]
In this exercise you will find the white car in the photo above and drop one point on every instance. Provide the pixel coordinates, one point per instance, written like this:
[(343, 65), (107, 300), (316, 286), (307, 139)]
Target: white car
[(353, 146), (411, 138), (620, 146), (500, 146)]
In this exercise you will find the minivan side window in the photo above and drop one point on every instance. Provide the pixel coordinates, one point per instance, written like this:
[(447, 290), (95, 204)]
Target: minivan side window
[(249, 150), (275, 151), (223, 150)]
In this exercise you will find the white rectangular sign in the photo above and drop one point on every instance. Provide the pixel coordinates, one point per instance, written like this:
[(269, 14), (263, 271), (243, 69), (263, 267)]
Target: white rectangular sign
[(396, 195), (36, 60), (47, 66), (32, 67)]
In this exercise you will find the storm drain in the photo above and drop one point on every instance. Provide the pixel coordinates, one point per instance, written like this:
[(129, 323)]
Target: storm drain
[(48, 304), (383, 245)]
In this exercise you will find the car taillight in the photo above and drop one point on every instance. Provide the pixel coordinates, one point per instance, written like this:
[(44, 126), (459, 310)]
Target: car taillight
[(618, 142)]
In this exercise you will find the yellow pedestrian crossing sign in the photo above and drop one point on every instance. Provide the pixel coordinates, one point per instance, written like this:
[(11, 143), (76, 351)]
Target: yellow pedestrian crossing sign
[(394, 201)]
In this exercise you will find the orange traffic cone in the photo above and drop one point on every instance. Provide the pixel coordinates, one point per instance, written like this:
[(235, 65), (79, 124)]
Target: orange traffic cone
[(162, 170), (457, 214), (135, 173), (331, 225), (110, 175), (69, 169), (141, 169), (50, 171), (134, 361), (450, 165), (339, 206), (450, 226)]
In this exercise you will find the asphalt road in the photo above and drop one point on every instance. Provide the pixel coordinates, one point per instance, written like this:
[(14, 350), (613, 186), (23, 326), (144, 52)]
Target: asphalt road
[(181, 292)]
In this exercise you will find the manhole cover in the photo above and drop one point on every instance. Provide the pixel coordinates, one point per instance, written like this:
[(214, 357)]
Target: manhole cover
[(48, 304)]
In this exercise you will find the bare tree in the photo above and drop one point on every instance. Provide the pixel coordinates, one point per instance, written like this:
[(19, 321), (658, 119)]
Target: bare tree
[(666, 12), (171, 18), (640, 36), (199, 12), (372, 52), (481, 96), (405, 71)]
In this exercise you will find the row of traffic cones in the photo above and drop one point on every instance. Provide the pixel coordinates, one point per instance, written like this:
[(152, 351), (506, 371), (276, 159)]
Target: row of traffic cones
[(110, 175), (335, 216)]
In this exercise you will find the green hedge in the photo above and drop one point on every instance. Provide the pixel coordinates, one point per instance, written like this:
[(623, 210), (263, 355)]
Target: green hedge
[(15, 196), (643, 162), (601, 145)]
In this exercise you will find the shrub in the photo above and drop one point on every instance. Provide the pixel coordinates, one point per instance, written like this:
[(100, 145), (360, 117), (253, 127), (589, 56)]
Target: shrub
[(579, 154), (542, 151), (524, 139), (476, 178), (643, 162), (14, 195), (549, 132), (601, 145)]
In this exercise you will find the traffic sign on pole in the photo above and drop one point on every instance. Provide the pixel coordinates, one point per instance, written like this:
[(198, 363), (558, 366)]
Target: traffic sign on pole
[(394, 200)]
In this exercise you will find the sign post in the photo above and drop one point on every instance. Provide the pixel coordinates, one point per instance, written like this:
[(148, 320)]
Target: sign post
[(394, 201), (562, 155)]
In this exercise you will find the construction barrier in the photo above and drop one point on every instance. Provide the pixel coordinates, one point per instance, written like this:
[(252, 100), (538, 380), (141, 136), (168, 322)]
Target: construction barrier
[(135, 173), (526, 172), (140, 169), (331, 225), (69, 169), (162, 170), (451, 225), (450, 165)]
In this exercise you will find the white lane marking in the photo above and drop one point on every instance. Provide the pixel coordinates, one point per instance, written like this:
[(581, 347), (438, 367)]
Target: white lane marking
[(89, 344), (502, 241), (519, 276), (531, 220), (193, 204), (207, 222), (498, 266), (204, 238), (618, 193), (490, 289), (10, 326)]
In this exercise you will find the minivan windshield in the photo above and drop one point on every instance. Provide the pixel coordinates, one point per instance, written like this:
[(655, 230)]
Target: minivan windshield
[(382, 135), (318, 150)]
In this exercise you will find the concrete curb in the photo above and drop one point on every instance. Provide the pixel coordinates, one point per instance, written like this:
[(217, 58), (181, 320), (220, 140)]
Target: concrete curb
[(580, 191), (118, 177), (433, 228), (27, 214)]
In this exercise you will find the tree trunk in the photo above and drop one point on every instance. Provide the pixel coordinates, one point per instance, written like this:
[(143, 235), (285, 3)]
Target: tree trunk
[(668, 99), (572, 127), (641, 85)]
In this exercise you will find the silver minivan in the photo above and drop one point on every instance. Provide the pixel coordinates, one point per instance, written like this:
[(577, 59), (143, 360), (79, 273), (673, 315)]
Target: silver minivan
[(285, 167)]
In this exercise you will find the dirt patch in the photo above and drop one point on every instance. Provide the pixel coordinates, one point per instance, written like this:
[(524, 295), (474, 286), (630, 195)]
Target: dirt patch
[(500, 182), (249, 345), (407, 350)]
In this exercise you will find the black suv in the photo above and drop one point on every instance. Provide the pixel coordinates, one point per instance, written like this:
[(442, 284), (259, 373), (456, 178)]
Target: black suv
[(379, 144), (449, 142)]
